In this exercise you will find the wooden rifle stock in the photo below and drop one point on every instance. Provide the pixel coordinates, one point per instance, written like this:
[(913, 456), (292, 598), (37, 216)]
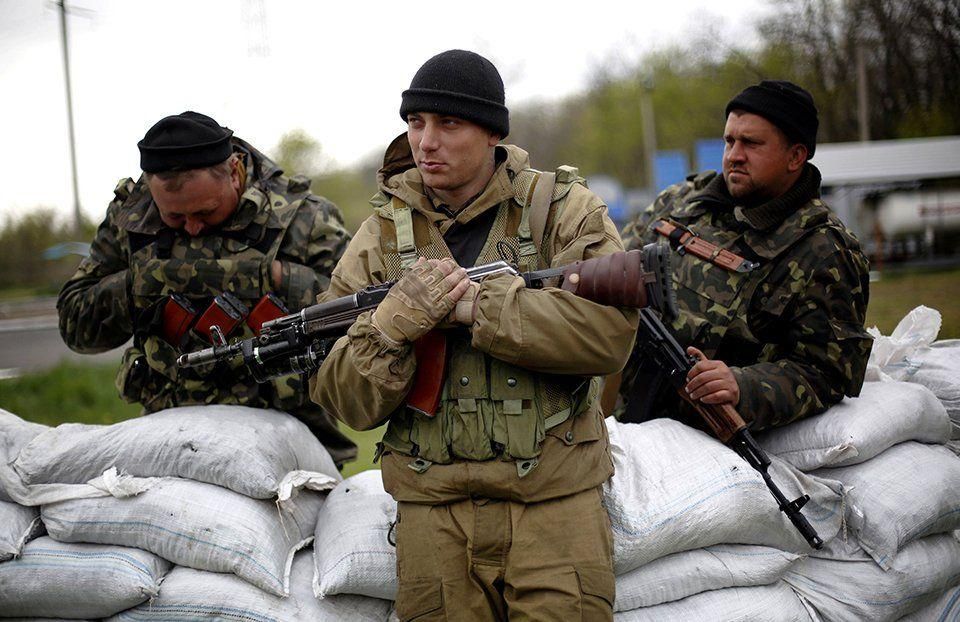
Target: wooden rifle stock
[(430, 350)]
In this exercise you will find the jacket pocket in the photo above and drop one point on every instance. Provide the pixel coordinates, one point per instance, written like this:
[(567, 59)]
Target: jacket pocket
[(421, 600)]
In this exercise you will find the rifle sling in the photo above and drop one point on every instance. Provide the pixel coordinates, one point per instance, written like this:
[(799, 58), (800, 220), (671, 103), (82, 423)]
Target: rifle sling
[(685, 240)]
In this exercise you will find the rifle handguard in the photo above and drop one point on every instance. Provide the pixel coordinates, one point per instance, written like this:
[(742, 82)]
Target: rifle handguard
[(636, 279)]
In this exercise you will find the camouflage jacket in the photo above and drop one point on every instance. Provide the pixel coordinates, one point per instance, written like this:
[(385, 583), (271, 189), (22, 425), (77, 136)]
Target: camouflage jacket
[(136, 262), (792, 328)]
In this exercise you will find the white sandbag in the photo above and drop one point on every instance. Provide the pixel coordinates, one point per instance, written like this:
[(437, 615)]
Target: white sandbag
[(248, 450), (939, 371), (859, 428), (352, 552), (892, 358), (18, 525), (861, 590), (769, 603), (909, 491), (61, 580), (677, 489), (945, 608), (197, 525), (684, 574), (190, 595), (14, 434)]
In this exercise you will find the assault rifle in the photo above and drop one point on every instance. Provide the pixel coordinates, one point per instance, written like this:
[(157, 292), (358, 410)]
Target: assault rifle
[(298, 343), (655, 343)]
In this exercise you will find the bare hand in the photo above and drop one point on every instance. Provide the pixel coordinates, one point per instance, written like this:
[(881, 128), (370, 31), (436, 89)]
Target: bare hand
[(710, 381), (276, 274)]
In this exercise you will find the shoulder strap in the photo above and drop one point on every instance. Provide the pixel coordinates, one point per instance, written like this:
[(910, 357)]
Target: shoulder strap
[(403, 222), (540, 206)]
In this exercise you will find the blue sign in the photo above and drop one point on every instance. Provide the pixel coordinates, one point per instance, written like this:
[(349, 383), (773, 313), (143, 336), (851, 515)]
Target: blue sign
[(669, 167), (709, 154)]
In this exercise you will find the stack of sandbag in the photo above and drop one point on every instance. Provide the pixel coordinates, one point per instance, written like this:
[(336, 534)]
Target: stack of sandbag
[(901, 502), (188, 594), (910, 353), (218, 489), (697, 533)]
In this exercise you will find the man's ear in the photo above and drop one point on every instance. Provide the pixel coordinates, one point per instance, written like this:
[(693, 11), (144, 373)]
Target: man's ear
[(494, 139), (235, 180), (798, 157)]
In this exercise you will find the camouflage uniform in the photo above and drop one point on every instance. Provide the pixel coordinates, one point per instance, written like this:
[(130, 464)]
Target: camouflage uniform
[(490, 485), (792, 328), (136, 261)]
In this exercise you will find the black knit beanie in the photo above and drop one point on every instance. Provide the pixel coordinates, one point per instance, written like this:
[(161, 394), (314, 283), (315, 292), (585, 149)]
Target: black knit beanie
[(459, 83), (784, 104), (182, 142)]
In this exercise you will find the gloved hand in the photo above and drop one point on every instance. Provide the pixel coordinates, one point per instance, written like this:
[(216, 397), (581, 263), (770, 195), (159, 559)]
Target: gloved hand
[(465, 311), (423, 297)]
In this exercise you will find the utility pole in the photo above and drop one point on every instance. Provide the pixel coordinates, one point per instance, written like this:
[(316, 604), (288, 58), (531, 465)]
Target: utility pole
[(649, 128), (863, 103), (73, 149)]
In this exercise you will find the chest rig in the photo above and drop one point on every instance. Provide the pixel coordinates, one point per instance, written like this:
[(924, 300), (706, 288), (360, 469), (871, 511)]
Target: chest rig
[(488, 409), (163, 262)]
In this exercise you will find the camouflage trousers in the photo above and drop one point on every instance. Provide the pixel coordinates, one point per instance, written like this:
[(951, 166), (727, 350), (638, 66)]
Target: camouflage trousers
[(487, 559)]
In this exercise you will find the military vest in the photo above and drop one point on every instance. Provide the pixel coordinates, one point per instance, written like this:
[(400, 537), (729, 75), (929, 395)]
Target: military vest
[(234, 258), (489, 408)]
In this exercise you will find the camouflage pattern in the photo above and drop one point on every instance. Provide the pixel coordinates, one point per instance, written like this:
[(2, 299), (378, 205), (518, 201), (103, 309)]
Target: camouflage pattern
[(792, 328), (136, 261)]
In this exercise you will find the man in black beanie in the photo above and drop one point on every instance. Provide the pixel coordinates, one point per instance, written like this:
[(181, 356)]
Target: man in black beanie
[(212, 228), (498, 484), (772, 287)]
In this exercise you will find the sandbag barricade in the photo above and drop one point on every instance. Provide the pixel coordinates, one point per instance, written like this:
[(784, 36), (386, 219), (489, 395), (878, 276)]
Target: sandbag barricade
[(197, 525), (18, 525), (353, 549), (770, 603), (675, 489), (255, 452), (61, 580), (860, 428), (188, 595)]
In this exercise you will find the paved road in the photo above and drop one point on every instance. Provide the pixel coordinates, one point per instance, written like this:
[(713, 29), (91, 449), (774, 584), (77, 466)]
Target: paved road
[(33, 344)]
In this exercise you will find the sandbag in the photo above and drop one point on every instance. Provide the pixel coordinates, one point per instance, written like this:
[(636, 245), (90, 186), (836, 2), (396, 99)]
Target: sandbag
[(893, 357), (909, 491), (18, 525), (770, 603), (939, 371), (861, 590), (189, 595), (14, 434), (352, 551), (197, 525), (61, 580), (859, 428), (945, 608), (677, 489), (684, 574), (248, 450)]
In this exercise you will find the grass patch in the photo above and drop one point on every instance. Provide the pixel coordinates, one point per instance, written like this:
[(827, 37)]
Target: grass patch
[(894, 295), (77, 393)]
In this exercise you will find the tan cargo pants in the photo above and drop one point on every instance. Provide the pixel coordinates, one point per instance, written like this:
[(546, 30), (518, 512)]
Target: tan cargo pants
[(485, 559)]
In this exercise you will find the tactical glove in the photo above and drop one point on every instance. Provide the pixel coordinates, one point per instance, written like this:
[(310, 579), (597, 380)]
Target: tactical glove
[(423, 297), (465, 311)]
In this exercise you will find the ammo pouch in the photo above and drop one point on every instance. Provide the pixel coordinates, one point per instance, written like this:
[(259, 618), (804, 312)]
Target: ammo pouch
[(488, 409)]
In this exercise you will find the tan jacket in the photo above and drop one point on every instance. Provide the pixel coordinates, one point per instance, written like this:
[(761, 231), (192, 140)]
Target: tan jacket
[(365, 379)]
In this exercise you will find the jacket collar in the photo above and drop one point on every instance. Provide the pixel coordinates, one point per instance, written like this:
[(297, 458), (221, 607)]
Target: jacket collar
[(399, 177)]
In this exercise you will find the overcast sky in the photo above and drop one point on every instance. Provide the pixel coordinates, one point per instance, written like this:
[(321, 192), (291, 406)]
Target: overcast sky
[(263, 67)]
